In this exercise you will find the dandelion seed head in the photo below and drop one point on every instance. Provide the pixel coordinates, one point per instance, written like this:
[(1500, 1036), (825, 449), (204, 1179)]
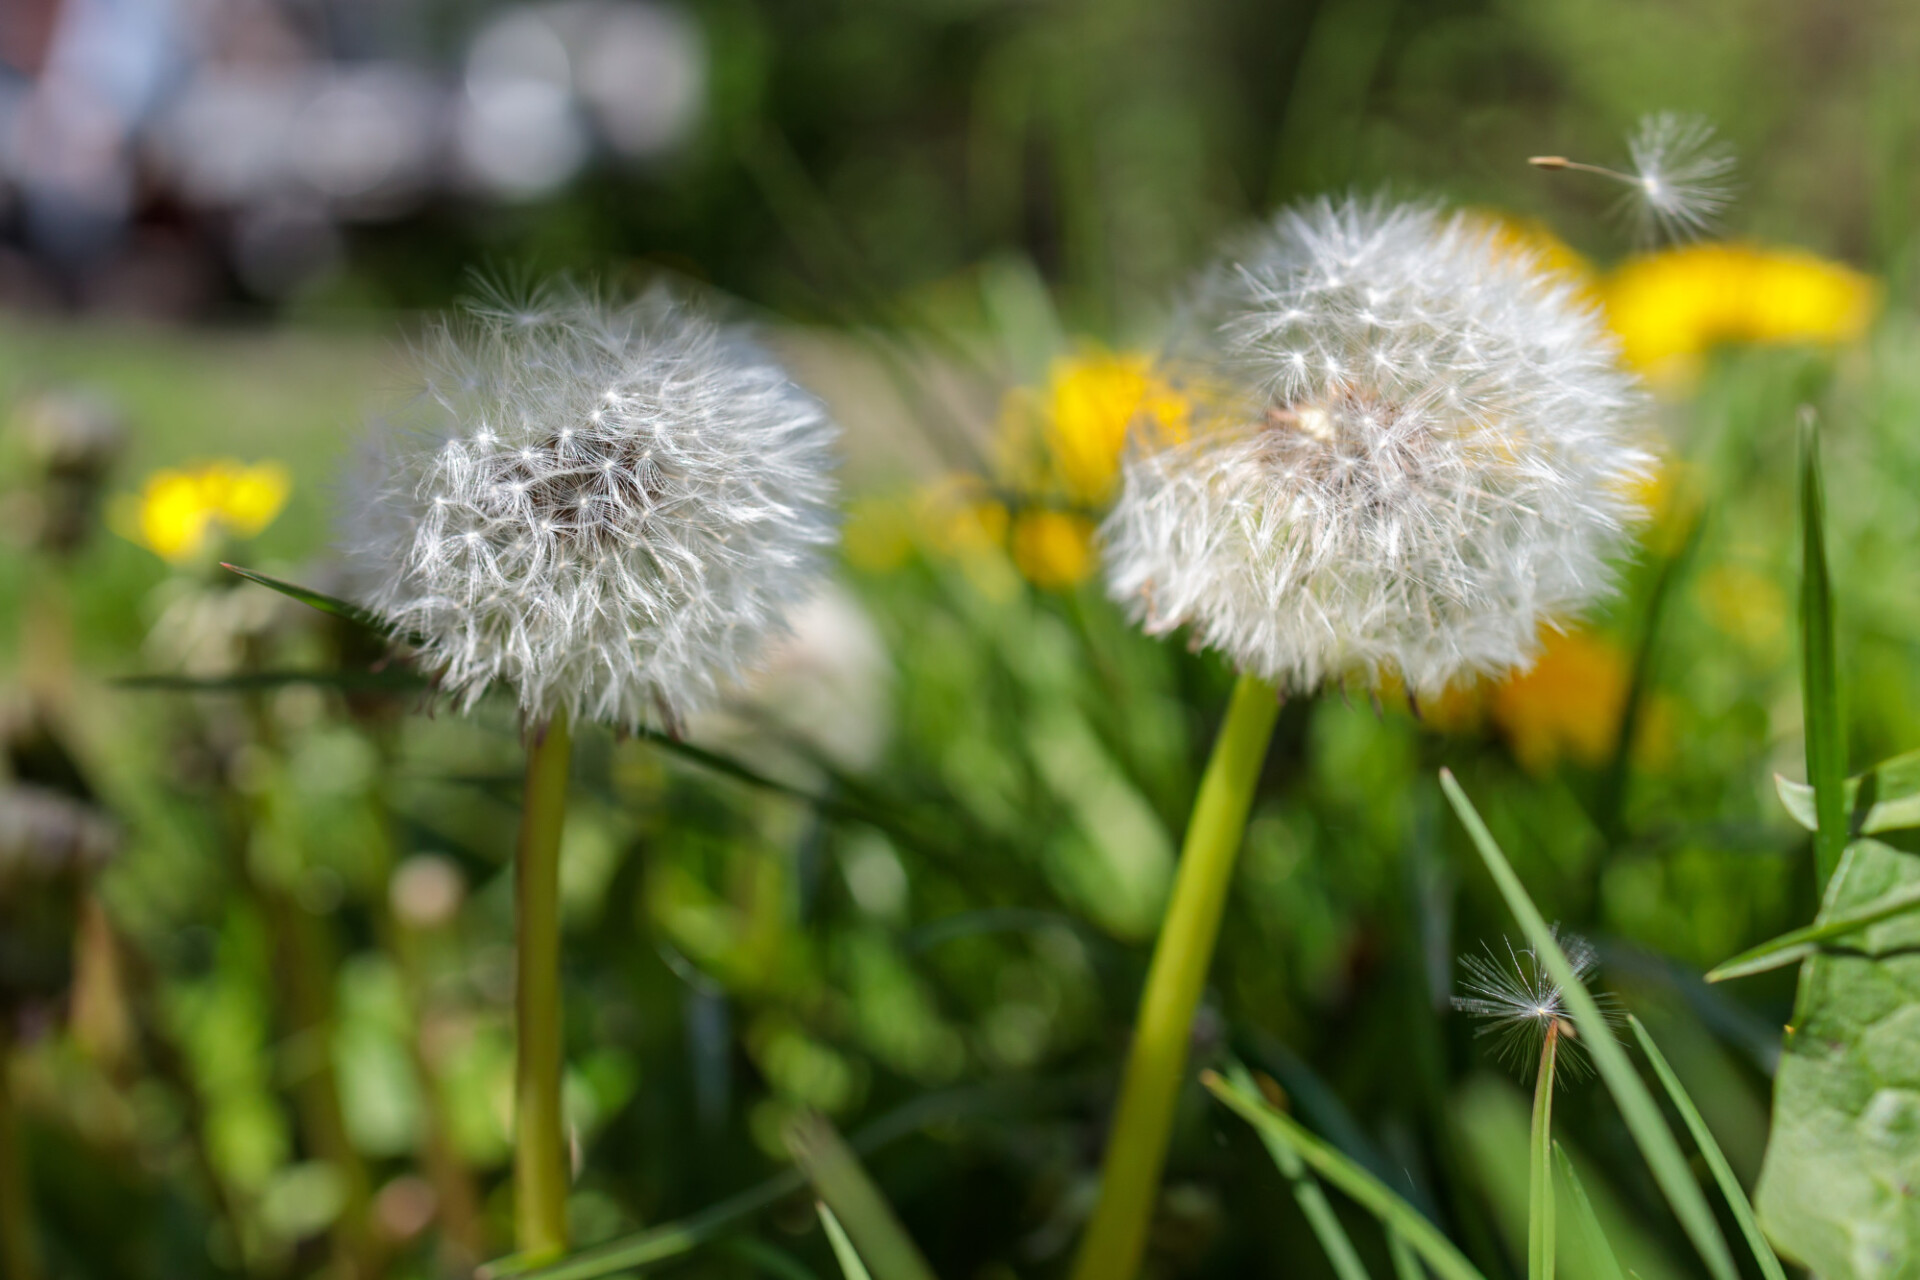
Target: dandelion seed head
[(609, 507), (1409, 451), (1517, 1001)]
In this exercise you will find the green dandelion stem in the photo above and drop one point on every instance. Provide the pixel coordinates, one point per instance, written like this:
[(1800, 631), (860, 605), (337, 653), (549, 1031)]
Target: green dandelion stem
[(539, 1140), (1150, 1085), (1540, 1164)]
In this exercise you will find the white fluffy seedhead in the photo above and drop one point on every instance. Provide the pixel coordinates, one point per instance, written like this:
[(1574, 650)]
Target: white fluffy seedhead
[(1408, 453), (607, 507)]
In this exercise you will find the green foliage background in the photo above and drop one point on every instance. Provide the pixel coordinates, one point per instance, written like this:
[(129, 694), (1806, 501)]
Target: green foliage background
[(924, 199)]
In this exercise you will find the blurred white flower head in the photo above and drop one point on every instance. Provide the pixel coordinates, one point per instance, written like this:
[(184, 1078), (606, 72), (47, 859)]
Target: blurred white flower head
[(1409, 452), (610, 507)]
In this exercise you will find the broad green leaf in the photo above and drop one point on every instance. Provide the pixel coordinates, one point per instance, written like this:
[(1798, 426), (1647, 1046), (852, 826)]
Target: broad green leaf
[(1710, 1151), (1369, 1192), (327, 604), (1797, 944), (1819, 664), (1846, 1102), (1884, 798), (843, 1251), (1333, 1237), (1594, 1246), (844, 1187), (1637, 1107)]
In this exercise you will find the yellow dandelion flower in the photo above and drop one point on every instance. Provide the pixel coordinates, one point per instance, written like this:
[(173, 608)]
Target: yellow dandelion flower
[(1065, 440), (1092, 400), (182, 512), (1568, 706), (1670, 308), (1053, 549)]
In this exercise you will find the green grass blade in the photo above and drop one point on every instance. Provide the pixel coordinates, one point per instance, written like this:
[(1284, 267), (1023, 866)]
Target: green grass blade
[(837, 1177), (1406, 1266), (1819, 671), (397, 679), (1399, 1217), (327, 604), (1798, 944), (1598, 1250), (1710, 1150), (843, 1250), (1540, 1166), (1637, 1106), (1333, 1238)]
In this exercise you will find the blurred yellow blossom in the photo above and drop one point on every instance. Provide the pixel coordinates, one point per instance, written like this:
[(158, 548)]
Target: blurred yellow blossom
[(1053, 549), (1568, 706), (1670, 308), (180, 513)]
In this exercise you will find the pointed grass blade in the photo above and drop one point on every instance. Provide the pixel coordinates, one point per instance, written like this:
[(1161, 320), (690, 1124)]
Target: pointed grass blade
[(328, 604), (1399, 1217), (1593, 1238), (845, 1189), (1797, 944), (843, 1251), (1637, 1106), (1333, 1238), (1710, 1151), (1819, 664)]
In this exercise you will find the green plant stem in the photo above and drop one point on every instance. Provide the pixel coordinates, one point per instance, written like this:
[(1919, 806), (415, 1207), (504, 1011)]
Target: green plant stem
[(539, 1133), (1540, 1164), (19, 1242), (1150, 1086)]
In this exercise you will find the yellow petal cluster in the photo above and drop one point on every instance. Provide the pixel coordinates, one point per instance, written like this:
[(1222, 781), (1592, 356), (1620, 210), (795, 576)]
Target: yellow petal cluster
[(180, 513), (1672, 307)]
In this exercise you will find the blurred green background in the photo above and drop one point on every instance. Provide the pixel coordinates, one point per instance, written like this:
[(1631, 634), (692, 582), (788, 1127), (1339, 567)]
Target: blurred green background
[(270, 1035)]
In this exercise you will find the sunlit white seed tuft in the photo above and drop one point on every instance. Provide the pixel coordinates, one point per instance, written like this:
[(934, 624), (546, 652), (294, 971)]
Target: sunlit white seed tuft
[(1408, 454), (1517, 1000), (608, 507)]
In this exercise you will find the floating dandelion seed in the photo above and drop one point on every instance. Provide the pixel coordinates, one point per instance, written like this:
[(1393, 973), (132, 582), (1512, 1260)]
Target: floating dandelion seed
[(1408, 452), (608, 507), (1681, 180), (1520, 1002)]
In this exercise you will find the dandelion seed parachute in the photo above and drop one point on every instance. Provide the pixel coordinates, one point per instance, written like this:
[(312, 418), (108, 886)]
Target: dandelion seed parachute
[(1681, 176), (1517, 999), (608, 507), (1408, 452)]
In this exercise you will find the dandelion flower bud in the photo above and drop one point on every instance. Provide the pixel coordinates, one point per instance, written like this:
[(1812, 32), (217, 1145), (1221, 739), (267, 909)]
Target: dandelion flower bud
[(608, 507), (1407, 453)]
